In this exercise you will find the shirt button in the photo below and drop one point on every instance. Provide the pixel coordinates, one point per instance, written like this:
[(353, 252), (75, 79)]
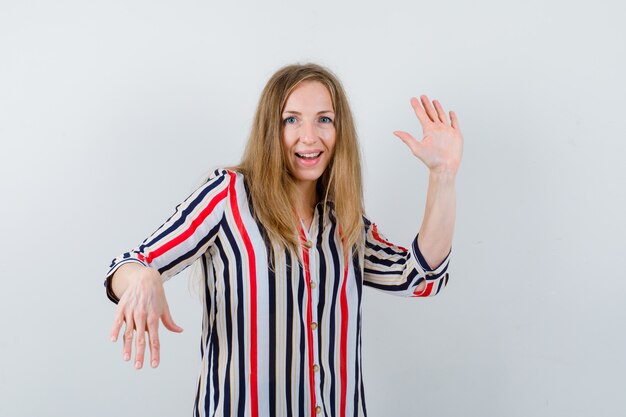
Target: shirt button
[(308, 244), (314, 325), (318, 409), (316, 367), (313, 284)]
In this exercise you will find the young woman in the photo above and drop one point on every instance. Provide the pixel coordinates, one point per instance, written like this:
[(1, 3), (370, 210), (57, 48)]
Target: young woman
[(285, 250)]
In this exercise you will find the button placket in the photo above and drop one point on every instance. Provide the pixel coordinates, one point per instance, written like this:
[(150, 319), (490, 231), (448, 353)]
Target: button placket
[(313, 261), (313, 276)]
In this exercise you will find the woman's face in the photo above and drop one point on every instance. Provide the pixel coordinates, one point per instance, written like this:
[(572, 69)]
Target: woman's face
[(308, 131)]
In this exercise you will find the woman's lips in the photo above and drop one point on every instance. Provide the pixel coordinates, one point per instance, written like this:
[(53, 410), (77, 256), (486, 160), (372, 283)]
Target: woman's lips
[(309, 158)]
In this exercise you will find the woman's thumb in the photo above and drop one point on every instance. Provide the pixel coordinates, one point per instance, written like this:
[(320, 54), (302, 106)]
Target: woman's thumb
[(410, 141), (168, 321)]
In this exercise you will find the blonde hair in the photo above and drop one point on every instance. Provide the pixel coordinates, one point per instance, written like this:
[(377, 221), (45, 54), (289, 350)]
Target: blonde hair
[(265, 170)]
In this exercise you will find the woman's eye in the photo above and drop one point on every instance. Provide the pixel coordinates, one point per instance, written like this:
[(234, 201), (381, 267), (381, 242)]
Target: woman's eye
[(289, 120), (326, 119)]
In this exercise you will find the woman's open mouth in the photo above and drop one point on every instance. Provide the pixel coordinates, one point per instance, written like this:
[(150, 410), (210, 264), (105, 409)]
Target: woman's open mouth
[(309, 158)]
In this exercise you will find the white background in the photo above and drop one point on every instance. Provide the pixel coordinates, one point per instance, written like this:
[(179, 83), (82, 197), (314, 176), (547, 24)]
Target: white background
[(111, 112)]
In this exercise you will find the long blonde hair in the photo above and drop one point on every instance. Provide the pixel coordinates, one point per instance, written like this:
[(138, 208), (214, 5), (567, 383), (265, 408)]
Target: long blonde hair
[(265, 170)]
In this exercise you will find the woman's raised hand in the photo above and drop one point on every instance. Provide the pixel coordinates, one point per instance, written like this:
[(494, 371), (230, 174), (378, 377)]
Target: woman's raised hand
[(441, 147), (141, 306)]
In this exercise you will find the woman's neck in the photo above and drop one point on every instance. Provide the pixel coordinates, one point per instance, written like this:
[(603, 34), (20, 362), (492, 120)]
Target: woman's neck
[(305, 199)]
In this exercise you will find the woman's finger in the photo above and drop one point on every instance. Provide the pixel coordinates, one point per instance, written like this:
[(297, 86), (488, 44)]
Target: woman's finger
[(432, 114), (419, 112), (455, 121), (153, 334), (128, 336), (140, 339), (441, 113), (117, 325)]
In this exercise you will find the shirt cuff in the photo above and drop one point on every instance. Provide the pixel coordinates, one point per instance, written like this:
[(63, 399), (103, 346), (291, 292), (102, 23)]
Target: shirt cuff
[(429, 274), (108, 285)]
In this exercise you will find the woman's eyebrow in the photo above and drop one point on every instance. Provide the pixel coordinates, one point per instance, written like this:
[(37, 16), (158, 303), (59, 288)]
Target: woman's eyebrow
[(298, 113)]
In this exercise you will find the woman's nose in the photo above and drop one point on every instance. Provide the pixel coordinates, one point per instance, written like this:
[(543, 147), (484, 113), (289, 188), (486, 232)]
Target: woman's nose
[(308, 133)]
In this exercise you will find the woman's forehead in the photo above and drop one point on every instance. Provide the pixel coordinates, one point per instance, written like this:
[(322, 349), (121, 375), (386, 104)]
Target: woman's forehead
[(309, 95)]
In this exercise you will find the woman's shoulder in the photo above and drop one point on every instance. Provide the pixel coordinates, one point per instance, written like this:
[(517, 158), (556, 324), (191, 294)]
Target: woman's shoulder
[(224, 173), (367, 222), (229, 180)]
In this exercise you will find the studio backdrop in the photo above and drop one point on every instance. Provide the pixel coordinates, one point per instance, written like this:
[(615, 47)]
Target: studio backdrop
[(111, 113)]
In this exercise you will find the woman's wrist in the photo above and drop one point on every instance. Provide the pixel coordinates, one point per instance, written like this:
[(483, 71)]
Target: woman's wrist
[(442, 176), (130, 273)]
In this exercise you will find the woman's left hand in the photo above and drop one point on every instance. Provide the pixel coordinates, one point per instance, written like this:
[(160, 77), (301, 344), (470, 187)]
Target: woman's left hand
[(441, 147)]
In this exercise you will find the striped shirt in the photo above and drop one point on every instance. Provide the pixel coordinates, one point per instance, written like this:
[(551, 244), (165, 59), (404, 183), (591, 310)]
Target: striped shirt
[(282, 340)]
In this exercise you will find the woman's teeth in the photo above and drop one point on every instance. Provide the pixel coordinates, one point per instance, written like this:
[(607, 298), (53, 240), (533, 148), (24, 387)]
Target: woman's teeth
[(308, 155)]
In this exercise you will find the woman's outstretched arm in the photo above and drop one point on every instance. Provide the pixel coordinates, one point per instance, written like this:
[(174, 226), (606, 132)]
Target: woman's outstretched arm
[(440, 149), (135, 278)]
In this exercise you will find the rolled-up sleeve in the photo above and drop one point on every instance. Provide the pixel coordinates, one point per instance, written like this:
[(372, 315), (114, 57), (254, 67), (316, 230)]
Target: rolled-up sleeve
[(184, 237), (398, 270)]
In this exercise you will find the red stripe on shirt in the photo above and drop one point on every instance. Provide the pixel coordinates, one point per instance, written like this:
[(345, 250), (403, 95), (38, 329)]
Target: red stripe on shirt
[(344, 334), (309, 319), (383, 241), (195, 223), (254, 393), (426, 292)]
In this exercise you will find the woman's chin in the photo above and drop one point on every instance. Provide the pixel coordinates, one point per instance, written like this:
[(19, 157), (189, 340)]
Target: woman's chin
[(308, 176)]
